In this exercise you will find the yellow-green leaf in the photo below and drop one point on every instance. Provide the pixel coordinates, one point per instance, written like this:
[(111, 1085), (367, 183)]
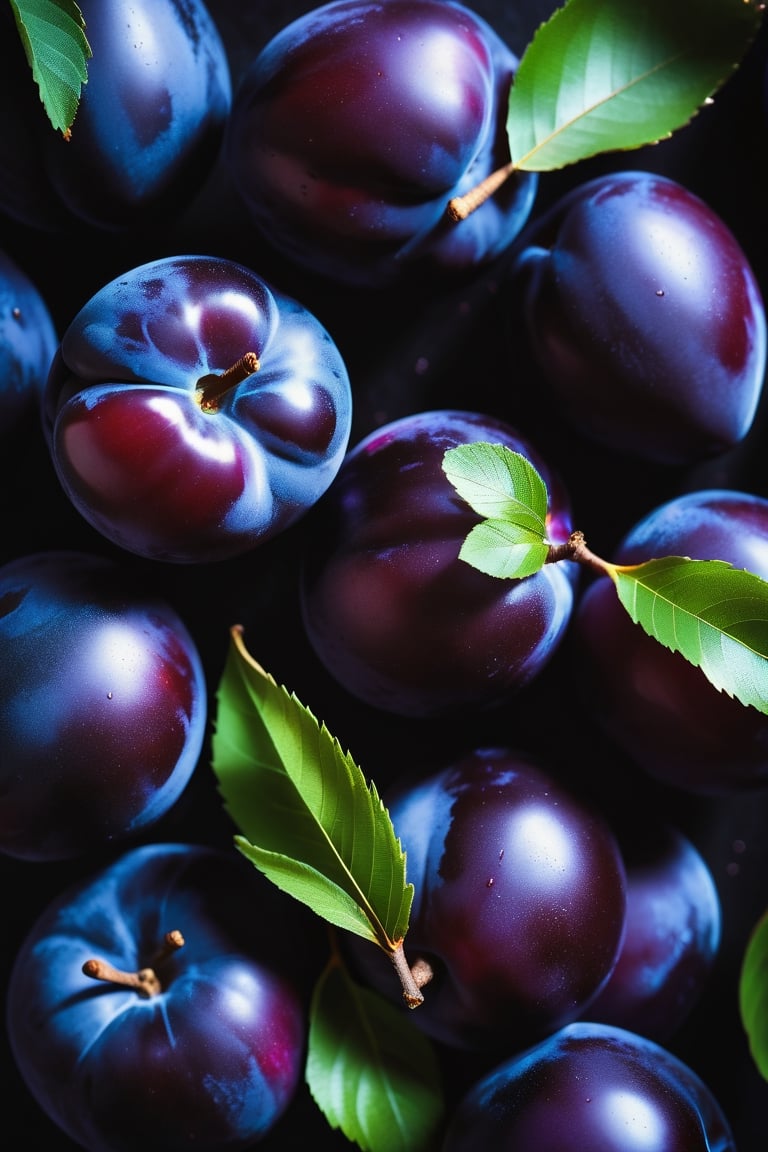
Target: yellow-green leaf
[(509, 551), (53, 35), (505, 489), (753, 994), (498, 483), (371, 1072), (306, 817), (606, 75), (715, 615)]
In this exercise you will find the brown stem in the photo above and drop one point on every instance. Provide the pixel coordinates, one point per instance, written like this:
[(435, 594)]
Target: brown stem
[(412, 980), (462, 206), (575, 548), (146, 981), (211, 388)]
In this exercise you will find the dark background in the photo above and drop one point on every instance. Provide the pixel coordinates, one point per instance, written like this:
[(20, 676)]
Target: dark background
[(405, 352)]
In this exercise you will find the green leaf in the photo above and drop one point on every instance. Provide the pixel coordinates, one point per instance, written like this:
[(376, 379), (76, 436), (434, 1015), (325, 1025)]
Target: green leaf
[(503, 487), (505, 550), (714, 614), (53, 35), (753, 995), (498, 483), (371, 1072), (604, 75), (307, 818)]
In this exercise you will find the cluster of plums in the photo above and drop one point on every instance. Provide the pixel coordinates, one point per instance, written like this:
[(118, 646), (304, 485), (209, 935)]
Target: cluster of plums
[(238, 333)]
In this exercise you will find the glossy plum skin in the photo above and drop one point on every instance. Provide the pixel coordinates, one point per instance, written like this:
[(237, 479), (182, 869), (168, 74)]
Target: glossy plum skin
[(392, 612), (148, 128), (28, 342), (672, 935), (212, 1061), (645, 318), (357, 123), (660, 709), (591, 1088), (519, 905), (133, 445), (102, 705)]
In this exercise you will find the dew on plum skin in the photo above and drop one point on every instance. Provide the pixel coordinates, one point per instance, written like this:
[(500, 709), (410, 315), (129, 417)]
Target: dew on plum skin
[(419, 131), (672, 380), (199, 314), (220, 1045), (140, 697), (145, 460), (590, 1087), (722, 162), (28, 340), (657, 707), (519, 899), (392, 612), (672, 938), (150, 122)]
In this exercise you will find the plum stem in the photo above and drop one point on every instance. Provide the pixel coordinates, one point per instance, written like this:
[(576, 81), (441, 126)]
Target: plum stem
[(575, 548), (411, 979), (146, 981), (214, 386), (462, 206)]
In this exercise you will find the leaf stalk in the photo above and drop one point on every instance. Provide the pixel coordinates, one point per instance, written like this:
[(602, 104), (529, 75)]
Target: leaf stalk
[(460, 207)]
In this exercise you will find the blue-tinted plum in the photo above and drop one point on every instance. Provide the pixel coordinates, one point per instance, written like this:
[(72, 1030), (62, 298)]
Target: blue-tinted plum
[(148, 129), (208, 1059), (28, 342), (645, 317), (672, 936), (658, 707), (158, 446), (519, 901), (392, 612), (591, 1088), (102, 705), (355, 126)]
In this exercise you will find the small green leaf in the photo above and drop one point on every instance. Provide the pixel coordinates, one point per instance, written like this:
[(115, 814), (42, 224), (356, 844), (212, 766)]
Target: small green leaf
[(505, 550), (753, 994), (371, 1072), (715, 615), (505, 489), (605, 75), (498, 484), (53, 35), (307, 818)]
